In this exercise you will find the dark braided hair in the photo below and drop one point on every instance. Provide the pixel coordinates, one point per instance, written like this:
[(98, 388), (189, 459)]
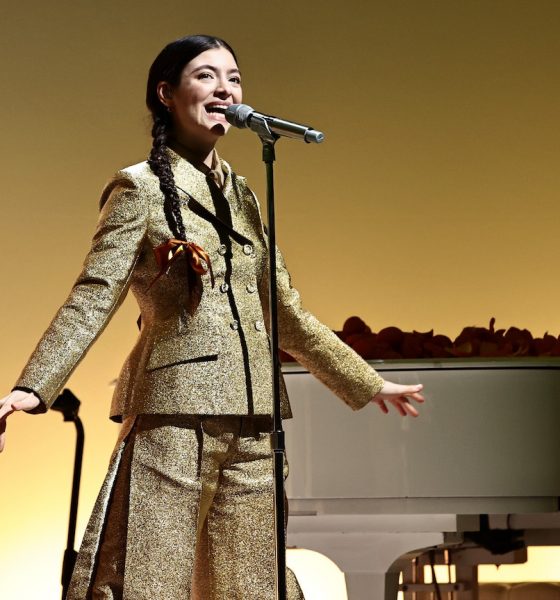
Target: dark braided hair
[(168, 66)]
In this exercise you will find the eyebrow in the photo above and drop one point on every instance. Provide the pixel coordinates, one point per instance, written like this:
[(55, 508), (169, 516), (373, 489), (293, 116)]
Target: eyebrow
[(211, 68)]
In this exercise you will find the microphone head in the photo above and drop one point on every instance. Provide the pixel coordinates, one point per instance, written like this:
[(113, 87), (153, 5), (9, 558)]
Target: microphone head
[(312, 135), (238, 115)]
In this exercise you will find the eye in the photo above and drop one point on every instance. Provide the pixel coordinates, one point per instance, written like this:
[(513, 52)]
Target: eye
[(235, 79), (205, 75)]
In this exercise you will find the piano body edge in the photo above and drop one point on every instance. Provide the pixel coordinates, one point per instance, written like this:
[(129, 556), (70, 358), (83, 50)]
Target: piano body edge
[(373, 491)]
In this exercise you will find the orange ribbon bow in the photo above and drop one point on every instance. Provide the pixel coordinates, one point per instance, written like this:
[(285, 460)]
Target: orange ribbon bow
[(169, 251)]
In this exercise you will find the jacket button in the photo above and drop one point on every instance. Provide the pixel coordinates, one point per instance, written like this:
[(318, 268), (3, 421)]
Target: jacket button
[(222, 250), (224, 288), (234, 325), (248, 249), (259, 325), (251, 288)]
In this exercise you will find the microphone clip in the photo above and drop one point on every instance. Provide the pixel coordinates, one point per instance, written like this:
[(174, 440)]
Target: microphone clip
[(260, 126)]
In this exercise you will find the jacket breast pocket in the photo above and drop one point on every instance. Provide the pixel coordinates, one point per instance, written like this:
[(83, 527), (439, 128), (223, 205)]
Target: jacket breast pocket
[(184, 349)]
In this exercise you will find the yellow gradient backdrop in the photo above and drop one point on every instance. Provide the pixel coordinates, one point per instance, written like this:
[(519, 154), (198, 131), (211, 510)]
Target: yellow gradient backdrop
[(433, 202)]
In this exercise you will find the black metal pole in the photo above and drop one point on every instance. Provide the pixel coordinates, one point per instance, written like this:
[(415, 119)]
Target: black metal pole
[(69, 405), (277, 439), (70, 554)]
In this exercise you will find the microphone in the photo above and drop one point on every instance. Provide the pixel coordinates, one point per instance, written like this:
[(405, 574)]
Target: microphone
[(242, 115)]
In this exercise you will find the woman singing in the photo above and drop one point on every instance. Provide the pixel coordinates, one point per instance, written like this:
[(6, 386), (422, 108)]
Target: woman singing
[(186, 509)]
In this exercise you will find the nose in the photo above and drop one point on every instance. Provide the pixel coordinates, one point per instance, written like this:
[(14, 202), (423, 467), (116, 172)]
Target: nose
[(223, 88)]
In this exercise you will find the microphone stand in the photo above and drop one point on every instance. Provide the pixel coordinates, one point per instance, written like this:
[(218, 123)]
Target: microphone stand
[(278, 444), (69, 406)]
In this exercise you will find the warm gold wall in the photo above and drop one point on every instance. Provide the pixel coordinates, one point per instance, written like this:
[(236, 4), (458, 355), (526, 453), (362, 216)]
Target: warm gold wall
[(432, 203)]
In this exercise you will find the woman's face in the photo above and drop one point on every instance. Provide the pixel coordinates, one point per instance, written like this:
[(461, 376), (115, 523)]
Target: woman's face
[(210, 80)]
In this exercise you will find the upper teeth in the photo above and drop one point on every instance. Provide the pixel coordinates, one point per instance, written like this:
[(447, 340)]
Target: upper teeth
[(218, 106)]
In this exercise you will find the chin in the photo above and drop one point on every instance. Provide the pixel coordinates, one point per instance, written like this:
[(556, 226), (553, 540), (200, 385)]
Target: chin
[(219, 129)]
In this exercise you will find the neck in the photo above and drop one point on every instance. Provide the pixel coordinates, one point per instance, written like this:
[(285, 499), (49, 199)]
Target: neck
[(199, 154)]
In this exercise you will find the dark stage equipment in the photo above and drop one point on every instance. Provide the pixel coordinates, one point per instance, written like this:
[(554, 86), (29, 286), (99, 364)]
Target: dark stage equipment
[(69, 405)]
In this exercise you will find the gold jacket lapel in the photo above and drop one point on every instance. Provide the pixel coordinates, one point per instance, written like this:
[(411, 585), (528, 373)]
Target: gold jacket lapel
[(191, 180), (193, 183), (241, 200)]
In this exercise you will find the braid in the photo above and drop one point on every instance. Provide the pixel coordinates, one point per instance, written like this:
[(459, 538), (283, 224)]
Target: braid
[(160, 165), (167, 68)]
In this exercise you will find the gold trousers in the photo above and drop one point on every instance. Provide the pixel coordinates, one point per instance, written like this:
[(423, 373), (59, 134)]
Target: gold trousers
[(188, 513)]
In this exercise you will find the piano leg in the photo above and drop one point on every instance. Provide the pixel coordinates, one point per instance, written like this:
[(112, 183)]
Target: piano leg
[(362, 585), (371, 561)]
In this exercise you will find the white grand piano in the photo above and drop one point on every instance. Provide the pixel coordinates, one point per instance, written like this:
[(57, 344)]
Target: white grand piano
[(475, 479)]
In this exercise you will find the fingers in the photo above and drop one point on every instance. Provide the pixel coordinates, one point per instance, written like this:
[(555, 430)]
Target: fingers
[(15, 401), (5, 410), (418, 387), (19, 400), (382, 406), (416, 396), (2, 435), (402, 405), (400, 396), (413, 391), (399, 405), (397, 389), (404, 391), (405, 408)]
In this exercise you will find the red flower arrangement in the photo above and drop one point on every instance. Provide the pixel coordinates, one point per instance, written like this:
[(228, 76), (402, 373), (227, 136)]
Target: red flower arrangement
[(393, 344)]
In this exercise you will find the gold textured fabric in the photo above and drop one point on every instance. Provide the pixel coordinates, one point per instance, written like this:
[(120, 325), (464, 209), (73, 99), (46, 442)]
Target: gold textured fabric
[(180, 498), (215, 361), (184, 495)]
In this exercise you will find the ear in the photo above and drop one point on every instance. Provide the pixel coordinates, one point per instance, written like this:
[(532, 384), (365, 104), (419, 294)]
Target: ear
[(165, 94)]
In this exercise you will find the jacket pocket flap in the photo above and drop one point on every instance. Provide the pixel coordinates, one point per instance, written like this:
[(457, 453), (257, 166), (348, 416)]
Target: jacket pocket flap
[(183, 349)]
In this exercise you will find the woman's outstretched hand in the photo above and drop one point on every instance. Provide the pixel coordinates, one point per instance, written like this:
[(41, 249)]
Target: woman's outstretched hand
[(399, 396), (17, 400)]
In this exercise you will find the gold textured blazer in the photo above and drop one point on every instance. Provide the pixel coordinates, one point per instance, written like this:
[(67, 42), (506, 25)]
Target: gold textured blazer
[(215, 361)]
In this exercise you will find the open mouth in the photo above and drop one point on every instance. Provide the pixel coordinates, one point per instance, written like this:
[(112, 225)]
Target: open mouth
[(219, 109)]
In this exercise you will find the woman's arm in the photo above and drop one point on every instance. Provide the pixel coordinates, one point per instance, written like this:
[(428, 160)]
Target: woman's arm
[(96, 294), (332, 361), (319, 349)]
